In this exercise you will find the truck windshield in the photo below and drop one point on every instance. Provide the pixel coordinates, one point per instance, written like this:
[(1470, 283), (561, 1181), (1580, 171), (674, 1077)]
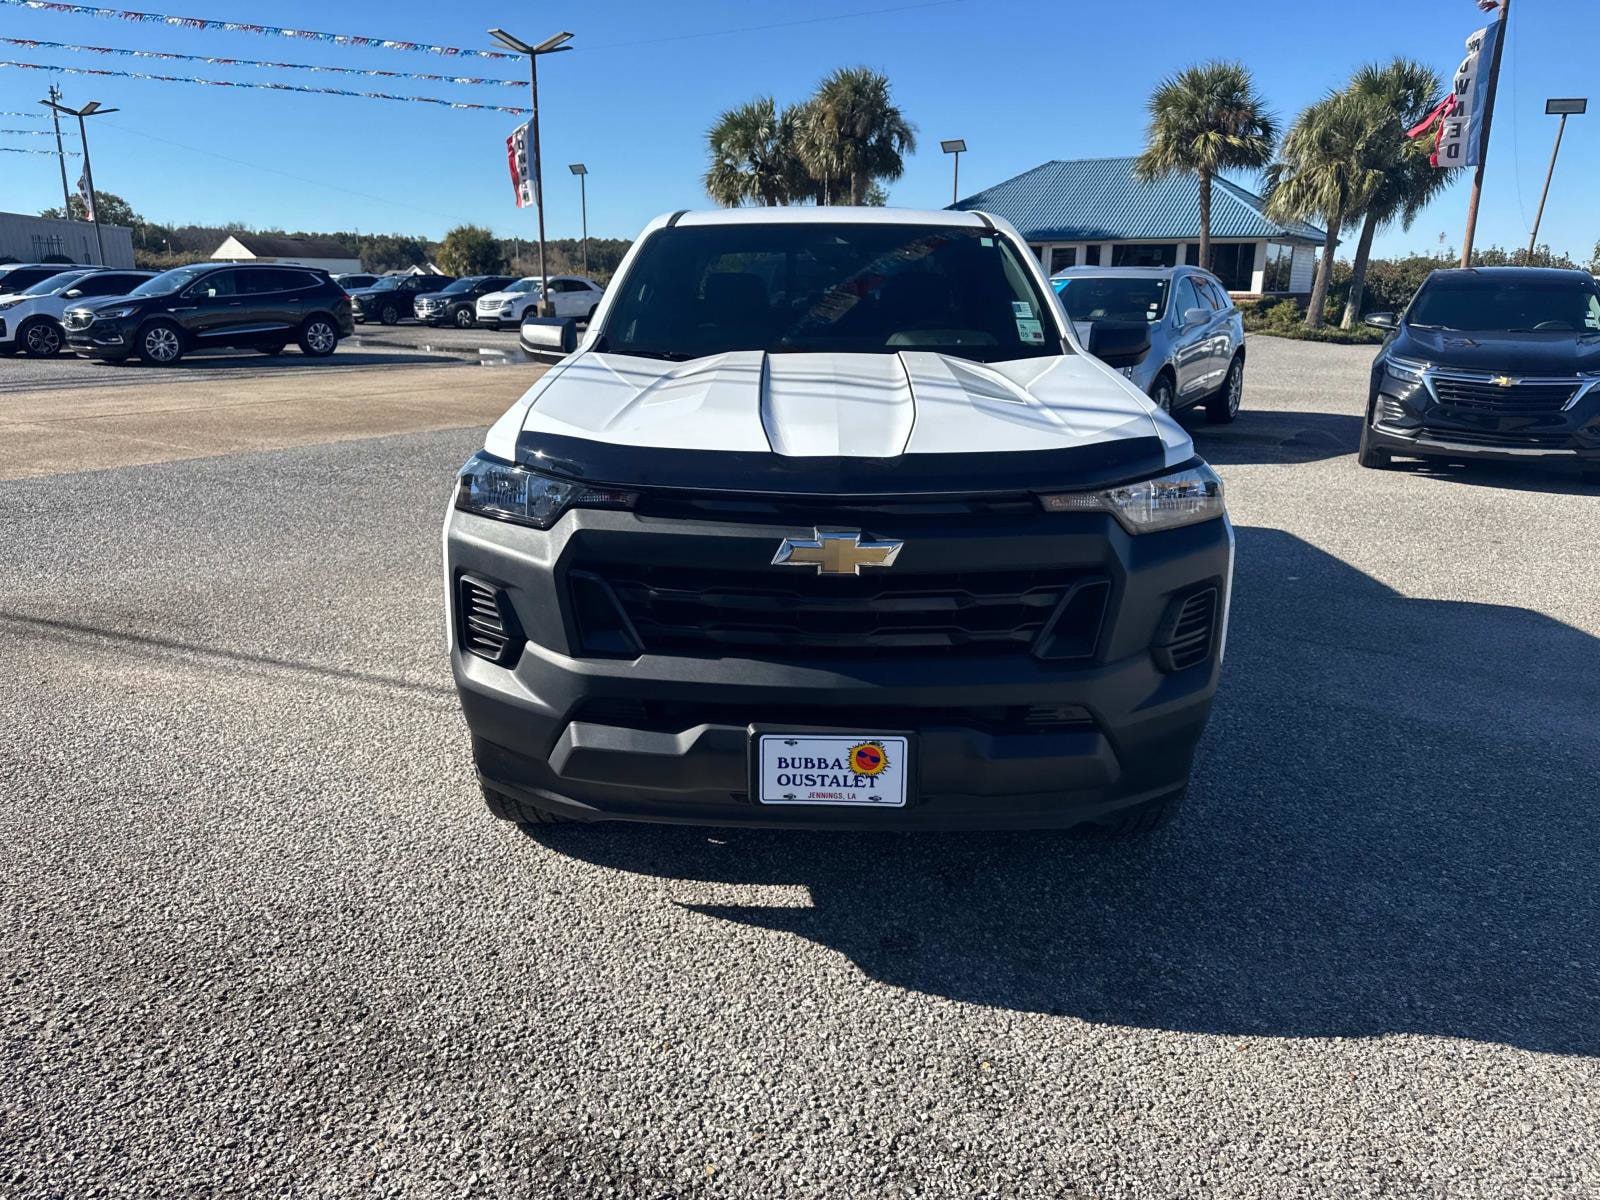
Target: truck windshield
[(1509, 306), (1087, 298), (868, 288)]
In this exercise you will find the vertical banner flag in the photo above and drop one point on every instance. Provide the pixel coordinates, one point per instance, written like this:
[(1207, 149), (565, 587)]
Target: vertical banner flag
[(1460, 141), (86, 196), (522, 176)]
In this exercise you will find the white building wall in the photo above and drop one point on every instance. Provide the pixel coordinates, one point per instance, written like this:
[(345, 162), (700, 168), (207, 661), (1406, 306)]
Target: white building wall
[(33, 239), (1302, 268)]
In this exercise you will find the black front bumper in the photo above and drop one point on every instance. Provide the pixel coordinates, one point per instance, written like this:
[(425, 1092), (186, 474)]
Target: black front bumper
[(666, 736), (103, 339), (1408, 419)]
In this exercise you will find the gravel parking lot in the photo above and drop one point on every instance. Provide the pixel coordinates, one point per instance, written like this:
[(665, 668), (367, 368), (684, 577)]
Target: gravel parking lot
[(260, 938)]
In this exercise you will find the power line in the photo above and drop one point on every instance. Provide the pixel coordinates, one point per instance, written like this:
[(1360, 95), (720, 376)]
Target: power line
[(271, 87), (168, 56)]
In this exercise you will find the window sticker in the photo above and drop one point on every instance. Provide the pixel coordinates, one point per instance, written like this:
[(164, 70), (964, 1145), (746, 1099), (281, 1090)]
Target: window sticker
[(1021, 308), (1030, 332), (986, 242)]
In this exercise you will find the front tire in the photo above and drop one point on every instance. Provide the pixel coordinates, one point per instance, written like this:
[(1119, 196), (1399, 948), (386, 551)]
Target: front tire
[(464, 319), (390, 315), (1163, 394), (1367, 455), (1223, 406), (1146, 818), (318, 337), (161, 344), (510, 808), (41, 338)]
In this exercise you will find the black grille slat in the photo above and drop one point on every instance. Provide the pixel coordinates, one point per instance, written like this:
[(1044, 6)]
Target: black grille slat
[(679, 609), (1187, 633), (1483, 396), (486, 625), (1488, 437)]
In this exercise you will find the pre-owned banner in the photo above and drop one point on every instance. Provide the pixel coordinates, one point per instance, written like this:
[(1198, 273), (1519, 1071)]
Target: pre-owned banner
[(523, 176), (1460, 141)]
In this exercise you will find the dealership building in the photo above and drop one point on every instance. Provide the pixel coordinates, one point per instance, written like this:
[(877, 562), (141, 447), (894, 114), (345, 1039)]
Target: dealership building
[(1094, 212), (49, 239)]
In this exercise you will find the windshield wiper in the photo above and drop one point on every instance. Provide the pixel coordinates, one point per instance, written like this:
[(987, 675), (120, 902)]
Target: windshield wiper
[(664, 355)]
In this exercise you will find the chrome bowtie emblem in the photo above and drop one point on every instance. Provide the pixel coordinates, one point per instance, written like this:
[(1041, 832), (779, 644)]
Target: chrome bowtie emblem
[(835, 553), (1504, 381)]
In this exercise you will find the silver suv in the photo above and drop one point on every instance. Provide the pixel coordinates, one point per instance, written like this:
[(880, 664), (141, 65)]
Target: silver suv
[(1196, 353)]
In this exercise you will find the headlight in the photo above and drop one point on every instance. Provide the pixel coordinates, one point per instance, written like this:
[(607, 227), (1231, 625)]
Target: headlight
[(113, 314), (1183, 497), (1404, 370), (10, 303), (492, 487)]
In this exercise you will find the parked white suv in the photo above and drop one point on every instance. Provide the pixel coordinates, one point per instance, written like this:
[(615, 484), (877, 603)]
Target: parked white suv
[(30, 320), (573, 296)]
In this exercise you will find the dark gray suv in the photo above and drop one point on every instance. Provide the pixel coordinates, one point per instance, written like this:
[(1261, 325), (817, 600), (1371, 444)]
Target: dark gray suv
[(1196, 353)]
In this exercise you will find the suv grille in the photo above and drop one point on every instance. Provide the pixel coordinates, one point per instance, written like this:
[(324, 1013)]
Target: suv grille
[(680, 609), (1483, 395), (1514, 440), (486, 625)]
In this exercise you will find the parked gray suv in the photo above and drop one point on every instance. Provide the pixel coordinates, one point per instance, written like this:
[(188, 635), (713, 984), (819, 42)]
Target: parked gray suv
[(1196, 353)]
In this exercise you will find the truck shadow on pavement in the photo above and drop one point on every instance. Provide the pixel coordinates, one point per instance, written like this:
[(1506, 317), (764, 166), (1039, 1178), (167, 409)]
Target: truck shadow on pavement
[(1273, 436), (1392, 829)]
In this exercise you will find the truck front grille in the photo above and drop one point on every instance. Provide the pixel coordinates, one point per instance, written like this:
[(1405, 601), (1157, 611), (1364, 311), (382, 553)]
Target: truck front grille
[(771, 614), (1484, 395)]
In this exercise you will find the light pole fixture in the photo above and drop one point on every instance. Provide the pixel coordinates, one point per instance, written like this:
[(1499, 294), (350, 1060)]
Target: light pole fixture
[(551, 45), (91, 109), (1564, 107), (582, 172), (957, 147)]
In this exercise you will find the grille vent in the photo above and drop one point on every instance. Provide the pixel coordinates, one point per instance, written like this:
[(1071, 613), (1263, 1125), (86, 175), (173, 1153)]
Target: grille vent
[(487, 626), (1186, 633)]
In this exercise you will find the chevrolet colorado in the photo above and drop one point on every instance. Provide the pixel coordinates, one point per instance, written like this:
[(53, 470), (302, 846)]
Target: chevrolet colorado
[(829, 521)]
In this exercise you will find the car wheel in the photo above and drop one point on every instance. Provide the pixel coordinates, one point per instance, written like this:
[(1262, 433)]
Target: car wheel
[(1224, 405), (390, 315), (273, 348), (464, 318), (40, 338), (161, 344), (1162, 393), (318, 337), (510, 808), (1368, 455)]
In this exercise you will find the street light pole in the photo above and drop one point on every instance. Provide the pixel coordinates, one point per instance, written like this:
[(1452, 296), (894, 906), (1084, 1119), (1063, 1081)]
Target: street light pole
[(582, 172), (1566, 107), (955, 147), (551, 45), (91, 109)]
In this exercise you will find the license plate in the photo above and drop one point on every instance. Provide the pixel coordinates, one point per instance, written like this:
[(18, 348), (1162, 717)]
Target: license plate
[(860, 770)]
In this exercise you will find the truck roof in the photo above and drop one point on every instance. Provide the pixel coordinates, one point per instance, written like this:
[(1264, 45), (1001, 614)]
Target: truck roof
[(809, 214)]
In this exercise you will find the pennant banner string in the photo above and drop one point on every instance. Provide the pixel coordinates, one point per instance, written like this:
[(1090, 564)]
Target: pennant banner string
[(30, 150), (217, 61), (308, 35), (271, 87)]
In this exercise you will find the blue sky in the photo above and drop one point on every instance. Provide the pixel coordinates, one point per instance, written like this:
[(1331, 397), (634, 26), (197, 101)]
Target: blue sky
[(1020, 81)]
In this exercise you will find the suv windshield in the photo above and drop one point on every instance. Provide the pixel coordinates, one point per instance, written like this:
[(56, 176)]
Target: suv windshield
[(172, 281), (54, 283), (1507, 305), (814, 287), (463, 285), (530, 284), (1089, 299)]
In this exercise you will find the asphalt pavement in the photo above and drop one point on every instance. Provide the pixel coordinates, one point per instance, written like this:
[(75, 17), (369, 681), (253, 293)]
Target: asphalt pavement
[(259, 937)]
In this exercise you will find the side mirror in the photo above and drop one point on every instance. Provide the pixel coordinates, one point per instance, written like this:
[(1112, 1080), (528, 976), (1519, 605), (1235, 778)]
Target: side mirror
[(1119, 343), (549, 337), (71, 292), (1381, 320), (1194, 316)]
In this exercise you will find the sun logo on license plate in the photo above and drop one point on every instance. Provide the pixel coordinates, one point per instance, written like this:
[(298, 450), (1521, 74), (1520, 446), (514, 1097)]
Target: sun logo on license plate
[(869, 758)]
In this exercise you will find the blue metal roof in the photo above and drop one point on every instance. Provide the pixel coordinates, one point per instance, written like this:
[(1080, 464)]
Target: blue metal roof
[(1098, 199)]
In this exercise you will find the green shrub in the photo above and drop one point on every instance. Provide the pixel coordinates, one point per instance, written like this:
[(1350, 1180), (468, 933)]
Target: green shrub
[(1360, 335)]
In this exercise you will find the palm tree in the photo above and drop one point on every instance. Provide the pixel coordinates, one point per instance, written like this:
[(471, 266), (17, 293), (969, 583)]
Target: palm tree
[(1333, 161), (1205, 120), (853, 134), (1410, 90), (754, 158)]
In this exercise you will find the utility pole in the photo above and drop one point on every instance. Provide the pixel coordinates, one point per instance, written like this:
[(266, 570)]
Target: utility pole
[(551, 45), (61, 154), (582, 172), (91, 109), (1566, 107), (1483, 135)]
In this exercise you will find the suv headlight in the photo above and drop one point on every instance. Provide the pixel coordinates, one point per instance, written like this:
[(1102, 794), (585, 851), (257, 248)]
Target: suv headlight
[(112, 314), (492, 487), (1183, 497), (1404, 370), (12, 303)]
